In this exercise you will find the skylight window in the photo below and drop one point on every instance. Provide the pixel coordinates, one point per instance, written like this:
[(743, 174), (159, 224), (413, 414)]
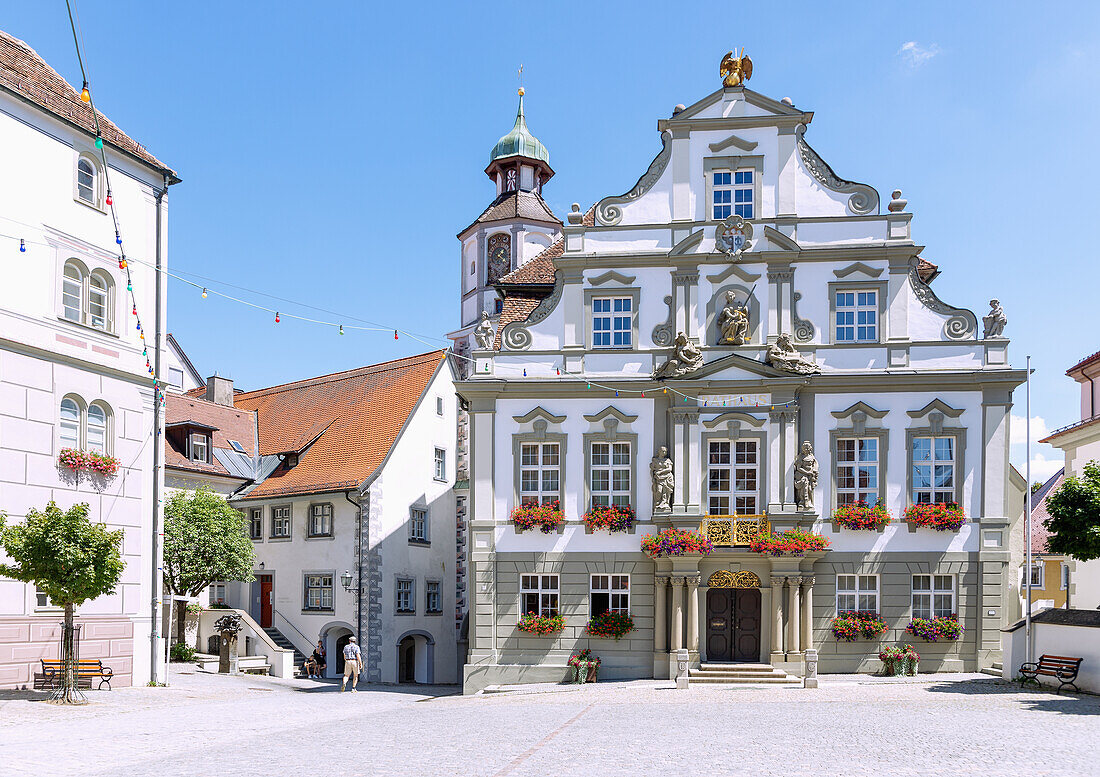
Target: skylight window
[(237, 446)]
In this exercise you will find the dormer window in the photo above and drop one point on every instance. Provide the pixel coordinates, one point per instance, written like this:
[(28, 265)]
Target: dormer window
[(291, 460), (199, 447)]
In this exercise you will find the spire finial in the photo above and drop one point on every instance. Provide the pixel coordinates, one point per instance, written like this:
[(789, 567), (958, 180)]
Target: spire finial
[(519, 73)]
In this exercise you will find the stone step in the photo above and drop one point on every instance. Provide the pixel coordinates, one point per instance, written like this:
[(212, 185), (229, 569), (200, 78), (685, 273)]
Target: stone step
[(734, 680), (992, 671), (739, 668), (998, 665)]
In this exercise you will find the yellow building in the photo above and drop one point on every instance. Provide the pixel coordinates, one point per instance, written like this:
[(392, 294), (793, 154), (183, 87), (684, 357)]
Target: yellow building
[(1050, 573)]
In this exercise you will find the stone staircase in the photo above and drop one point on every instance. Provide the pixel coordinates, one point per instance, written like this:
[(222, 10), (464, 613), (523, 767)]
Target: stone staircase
[(994, 670), (740, 674), (278, 638), (245, 664)]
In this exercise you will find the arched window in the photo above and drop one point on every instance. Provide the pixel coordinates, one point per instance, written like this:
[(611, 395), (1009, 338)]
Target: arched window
[(499, 255), (70, 423), (99, 300), (72, 292), (97, 428), (86, 178)]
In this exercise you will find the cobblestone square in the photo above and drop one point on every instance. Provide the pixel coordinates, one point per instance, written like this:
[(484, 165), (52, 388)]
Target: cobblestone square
[(852, 725)]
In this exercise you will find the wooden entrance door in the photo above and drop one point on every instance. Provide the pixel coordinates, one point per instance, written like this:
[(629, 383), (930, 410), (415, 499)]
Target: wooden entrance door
[(733, 624), (266, 585)]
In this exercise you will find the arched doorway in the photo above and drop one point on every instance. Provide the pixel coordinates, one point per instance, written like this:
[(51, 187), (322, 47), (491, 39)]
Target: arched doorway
[(416, 657), (336, 661), (335, 635), (406, 660)]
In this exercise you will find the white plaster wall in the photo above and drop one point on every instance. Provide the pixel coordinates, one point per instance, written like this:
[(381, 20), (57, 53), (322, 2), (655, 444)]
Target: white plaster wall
[(1077, 641), (1086, 580)]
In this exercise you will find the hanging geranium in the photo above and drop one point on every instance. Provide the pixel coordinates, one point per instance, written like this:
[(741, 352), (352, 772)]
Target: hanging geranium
[(940, 516), (102, 464), (548, 516), (899, 660), (72, 458), (611, 517), (615, 625), (88, 461), (942, 628), (849, 626), (675, 542), (861, 517), (533, 623), (793, 542)]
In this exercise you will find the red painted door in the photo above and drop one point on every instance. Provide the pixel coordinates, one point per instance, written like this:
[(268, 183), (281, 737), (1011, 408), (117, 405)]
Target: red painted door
[(265, 600)]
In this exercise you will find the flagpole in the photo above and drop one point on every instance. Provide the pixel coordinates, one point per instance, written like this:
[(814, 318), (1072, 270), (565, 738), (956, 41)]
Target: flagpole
[(1027, 524)]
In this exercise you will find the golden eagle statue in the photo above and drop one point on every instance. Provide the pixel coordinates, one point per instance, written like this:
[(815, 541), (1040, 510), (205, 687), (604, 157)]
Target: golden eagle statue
[(735, 70)]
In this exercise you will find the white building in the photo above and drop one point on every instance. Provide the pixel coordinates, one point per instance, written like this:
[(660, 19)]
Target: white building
[(352, 513), (73, 371), (900, 394)]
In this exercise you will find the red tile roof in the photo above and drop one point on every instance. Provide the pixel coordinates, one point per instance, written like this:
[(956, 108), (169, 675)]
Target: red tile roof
[(927, 271), (1084, 363), (230, 423), (357, 414), (529, 206), (28, 76), (1039, 534)]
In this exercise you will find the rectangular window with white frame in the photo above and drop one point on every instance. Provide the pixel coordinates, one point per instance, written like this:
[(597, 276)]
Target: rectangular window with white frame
[(320, 520), (405, 596), (733, 477), (433, 598), (440, 464), (318, 592), (933, 462), (218, 593), (280, 522), (1036, 576), (612, 322), (200, 447), (418, 525), (609, 593), (42, 600), (857, 462), (538, 594), (609, 481), (856, 316), (732, 193), (256, 523), (539, 472), (856, 593), (933, 596)]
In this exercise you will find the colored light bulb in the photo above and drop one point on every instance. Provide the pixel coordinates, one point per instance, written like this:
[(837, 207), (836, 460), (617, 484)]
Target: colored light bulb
[(276, 317), (395, 334), (99, 142), (22, 246), (135, 309), (110, 201), (616, 393), (204, 293), (129, 286), (643, 395), (341, 329), (85, 95), (525, 372)]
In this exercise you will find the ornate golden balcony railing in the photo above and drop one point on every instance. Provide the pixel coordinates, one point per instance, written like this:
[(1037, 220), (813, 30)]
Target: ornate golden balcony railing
[(728, 531)]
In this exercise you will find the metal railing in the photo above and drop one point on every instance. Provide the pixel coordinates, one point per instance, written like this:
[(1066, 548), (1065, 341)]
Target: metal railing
[(312, 643), (728, 531)]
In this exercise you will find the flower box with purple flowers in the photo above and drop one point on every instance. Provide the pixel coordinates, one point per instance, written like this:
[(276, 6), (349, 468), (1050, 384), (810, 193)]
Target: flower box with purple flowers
[(793, 542), (611, 517), (940, 516), (849, 626), (676, 542), (860, 516), (540, 625), (613, 625), (941, 628)]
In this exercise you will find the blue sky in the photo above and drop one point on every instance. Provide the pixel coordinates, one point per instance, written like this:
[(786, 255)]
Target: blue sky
[(330, 151)]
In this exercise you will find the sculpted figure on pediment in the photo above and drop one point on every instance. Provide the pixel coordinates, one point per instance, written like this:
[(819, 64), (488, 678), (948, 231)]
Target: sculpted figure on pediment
[(483, 332), (784, 356), (685, 359), (995, 321)]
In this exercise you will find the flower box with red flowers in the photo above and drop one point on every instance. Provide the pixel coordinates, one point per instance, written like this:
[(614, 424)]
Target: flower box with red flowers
[(860, 516), (88, 461), (611, 625), (899, 660), (586, 667), (941, 628), (611, 517), (940, 516), (548, 517), (540, 625), (852, 625), (793, 542), (676, 542)]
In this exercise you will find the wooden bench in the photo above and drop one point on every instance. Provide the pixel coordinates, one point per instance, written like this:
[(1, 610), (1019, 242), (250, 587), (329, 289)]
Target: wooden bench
[(1063, 668), (86, 671)]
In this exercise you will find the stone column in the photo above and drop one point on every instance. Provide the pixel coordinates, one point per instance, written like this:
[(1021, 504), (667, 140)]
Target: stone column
[(660, 614), (677, 613), (807, 612), (777, 619), (792, 618), (693, 614)]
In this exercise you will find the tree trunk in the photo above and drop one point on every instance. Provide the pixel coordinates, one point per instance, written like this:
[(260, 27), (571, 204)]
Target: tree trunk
[(68, 693), (181, 622)]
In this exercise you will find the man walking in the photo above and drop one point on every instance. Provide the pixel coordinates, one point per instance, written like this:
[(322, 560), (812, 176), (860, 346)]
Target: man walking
[(353, 664)]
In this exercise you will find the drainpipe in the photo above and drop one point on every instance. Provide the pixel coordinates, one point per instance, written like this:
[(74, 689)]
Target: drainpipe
[(158, 443), (359, 568)]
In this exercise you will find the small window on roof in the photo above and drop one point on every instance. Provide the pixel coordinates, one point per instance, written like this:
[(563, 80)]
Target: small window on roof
[(237, 446)]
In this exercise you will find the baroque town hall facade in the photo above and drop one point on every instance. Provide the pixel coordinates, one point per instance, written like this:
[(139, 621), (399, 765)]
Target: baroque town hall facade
[(741, 342)]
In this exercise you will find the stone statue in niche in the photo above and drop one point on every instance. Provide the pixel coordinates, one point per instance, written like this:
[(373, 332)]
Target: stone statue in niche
[(784, 356), (686, 358), (995, 321), (483, 332), (660, 469), (733, 322), (805, 477)]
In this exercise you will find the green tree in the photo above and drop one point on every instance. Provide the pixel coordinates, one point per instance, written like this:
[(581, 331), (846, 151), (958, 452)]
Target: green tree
[(204, 540), (1074, 521), (72, 560)]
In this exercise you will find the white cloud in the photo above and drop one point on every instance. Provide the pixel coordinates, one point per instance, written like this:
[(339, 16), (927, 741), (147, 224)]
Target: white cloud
[(913, 54), (1018, 430), (1045, 459), (1042, 467)]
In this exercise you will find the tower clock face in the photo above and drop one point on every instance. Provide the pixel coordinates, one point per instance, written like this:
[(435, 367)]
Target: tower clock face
[(500, 256)]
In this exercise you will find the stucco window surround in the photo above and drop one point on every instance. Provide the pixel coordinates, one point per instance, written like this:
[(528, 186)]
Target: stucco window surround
[(610, 426), (282, 523), (318, 592), (856, 286), (860, 421), (404, 595), (433, 596), (535, 428), (85, 425), (933, 595), (857, 593), (419, 525), (86, 296), (256, 524), (734, 428), (615, 286), (320, 521), (88, 180), (929, 422), (732, 164)]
